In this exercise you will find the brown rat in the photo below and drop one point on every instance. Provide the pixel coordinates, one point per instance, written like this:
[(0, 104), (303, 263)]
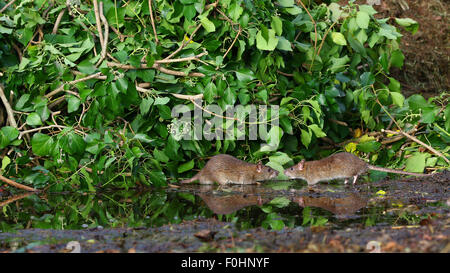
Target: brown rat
[(340, 165), (226, 169)]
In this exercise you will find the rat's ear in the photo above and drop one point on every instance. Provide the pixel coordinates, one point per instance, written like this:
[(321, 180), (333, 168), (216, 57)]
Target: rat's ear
[(300, 165), (259, 167)]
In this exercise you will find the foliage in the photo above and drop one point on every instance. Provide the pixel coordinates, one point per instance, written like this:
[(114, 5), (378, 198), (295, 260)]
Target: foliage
[(326, 66)]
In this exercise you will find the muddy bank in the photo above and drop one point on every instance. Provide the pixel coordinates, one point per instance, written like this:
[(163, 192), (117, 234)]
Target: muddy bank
[(433, 237)]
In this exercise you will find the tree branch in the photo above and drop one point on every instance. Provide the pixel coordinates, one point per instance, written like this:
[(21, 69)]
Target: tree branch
[(8, 108), (15, 184)]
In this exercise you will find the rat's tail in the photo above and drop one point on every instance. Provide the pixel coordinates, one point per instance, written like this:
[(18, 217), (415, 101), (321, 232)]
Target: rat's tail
[(395, 171), (190, 180)]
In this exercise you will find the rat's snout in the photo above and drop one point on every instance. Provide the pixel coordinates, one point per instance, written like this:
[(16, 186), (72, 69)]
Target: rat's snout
[(276, 173)]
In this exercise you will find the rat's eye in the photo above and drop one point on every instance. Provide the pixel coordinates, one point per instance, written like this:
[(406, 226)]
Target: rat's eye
[(268, 170), (292, 168)]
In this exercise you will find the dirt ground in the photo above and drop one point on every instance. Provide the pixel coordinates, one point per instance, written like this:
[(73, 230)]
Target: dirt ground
[(426, 66)]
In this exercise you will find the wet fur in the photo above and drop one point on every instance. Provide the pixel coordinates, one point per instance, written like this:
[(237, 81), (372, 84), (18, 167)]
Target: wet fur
[(341, 165), (226, 169)]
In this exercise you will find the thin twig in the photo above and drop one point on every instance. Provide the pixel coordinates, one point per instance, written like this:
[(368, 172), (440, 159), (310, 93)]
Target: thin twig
[(324, 37), (7, 5), (193, 58), (184, 43), (48, 127), (98, 23), (61, 88), (188, 97), (158, 67), (234, 41), (315, 31), (152, 20), (285, 74), (105, 41), (58, 21), (419, 142), (8, 108), (15, 184)]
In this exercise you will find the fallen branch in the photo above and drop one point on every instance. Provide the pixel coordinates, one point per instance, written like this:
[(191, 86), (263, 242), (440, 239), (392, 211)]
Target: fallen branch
[(15, 184), (8, 108), (419, 142)]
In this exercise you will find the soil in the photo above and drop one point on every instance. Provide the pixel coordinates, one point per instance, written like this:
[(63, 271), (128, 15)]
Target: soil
[(426, 66)]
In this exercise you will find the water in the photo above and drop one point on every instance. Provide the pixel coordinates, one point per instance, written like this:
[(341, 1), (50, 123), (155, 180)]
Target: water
[(272, 205)]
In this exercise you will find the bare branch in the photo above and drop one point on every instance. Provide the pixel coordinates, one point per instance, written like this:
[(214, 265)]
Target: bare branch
[(58, 21), (15, 184), (8, 108)]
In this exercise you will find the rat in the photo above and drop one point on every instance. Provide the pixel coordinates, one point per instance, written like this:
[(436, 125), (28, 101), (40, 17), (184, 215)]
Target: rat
[(340, 165), (226, 169)]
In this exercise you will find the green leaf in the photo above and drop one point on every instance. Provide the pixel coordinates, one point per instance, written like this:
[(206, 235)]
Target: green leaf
[(72, 143), (362, 19), (286, 3), (447, 117), (5, 162), (73, 103), (266, 44), (317, 130), (34, 119), (186, 166), (207, 24), (145, 105), (144, 138), (10, 133), (416, 163), (280, 157), (86, 67), (397, 58), (408, 23), (277, 25), (397, 98), (280, 202), (338, 38), (284, 44), (235, 10), (158, 178), (160, 156), (245, 75), (368, 147), (306, 138), (41, 144), (161, 100)]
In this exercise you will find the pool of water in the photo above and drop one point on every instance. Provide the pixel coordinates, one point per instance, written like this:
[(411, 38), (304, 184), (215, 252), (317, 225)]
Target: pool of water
[(271, 205)]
